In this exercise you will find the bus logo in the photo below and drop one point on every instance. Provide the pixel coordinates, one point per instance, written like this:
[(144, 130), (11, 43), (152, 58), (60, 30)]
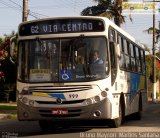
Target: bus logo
[(59, 101)]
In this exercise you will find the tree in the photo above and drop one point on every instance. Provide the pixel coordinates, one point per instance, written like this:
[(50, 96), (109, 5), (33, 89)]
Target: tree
[(106, 8), (1, 41), (7, 70), (149, 63), (13, 33), (157, 33)]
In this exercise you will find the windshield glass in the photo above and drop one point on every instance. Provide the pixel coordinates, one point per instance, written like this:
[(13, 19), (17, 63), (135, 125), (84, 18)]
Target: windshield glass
[(61, 60)]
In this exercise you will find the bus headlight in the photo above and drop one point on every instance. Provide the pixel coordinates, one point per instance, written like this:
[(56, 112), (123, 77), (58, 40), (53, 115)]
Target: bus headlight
[(97, 98), (104, 94), (88, 101), (25, 91), (31, 102), (20, 96), (24, 100)]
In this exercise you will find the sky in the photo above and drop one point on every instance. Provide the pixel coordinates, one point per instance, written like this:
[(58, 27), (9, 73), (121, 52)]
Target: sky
[(11, 11), (11, 15)]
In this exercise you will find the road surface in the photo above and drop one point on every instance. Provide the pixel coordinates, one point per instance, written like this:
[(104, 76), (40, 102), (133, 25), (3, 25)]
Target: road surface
[(147, 127)]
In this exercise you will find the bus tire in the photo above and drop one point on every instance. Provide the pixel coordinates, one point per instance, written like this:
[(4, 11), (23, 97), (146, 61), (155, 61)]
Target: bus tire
[(115, 123), (138, 115)]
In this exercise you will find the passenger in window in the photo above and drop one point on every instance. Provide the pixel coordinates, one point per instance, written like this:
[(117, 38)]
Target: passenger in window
[(95, 58)]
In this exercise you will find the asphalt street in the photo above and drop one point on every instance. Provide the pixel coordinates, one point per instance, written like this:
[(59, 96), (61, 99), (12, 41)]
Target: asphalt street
[(149, 125)]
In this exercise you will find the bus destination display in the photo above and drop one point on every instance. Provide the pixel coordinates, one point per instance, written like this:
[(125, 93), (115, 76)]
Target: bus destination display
[(61, 26)]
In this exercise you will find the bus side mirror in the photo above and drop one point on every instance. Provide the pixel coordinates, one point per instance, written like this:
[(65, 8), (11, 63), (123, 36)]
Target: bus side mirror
[(117, 48), (118, 51), (12, 47)]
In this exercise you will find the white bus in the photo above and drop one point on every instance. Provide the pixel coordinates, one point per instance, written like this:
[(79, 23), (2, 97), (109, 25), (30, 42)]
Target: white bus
[(58, 82)]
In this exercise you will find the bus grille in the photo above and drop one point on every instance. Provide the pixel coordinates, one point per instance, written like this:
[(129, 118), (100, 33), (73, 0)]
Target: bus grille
[(59, 89), (64, 102)]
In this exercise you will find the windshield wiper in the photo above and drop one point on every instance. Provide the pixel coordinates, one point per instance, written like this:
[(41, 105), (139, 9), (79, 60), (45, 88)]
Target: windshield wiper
[(39, 41)]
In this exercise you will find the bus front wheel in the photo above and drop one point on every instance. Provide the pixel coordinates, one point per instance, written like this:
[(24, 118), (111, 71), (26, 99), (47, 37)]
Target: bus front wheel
[(114, 123), (138, 115)]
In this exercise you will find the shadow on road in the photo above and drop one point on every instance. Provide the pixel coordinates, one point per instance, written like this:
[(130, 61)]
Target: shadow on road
[(65, 130), (150, 117)]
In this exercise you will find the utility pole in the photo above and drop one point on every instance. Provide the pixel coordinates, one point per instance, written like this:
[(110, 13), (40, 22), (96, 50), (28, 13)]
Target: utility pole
[(154, 53), (154, 56), (25, 10), (154, 59)]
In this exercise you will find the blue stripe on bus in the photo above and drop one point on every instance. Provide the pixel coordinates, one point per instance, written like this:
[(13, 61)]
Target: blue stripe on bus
[(134, 83), (57, 95)]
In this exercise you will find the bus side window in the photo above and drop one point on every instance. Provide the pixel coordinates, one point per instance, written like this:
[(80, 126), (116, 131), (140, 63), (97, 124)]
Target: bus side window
[(126, 52), (133, 61), (113, 56), (122, 59), (137, 55), (112, 35), (142, 54)]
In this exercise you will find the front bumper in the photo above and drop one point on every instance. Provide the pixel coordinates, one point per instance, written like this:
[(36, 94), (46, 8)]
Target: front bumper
[(29, 113)]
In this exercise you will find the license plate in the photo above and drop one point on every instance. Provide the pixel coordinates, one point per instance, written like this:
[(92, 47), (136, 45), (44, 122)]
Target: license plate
[(59, 111)]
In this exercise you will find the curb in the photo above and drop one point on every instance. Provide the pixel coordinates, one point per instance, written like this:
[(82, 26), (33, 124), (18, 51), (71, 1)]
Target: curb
[(8, 116)]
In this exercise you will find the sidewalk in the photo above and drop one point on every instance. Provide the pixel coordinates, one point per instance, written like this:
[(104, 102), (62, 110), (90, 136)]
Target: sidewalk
[(8, 115), (153, 102)]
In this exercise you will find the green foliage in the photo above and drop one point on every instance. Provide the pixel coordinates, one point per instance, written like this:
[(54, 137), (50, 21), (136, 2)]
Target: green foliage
[(7, 92), (8, 69), (106, 8), (149, 67), (94, 10), (2, 93), (157, 94), (102, 6), (11, 116), (7, 107), (1, 41), (13, 33)]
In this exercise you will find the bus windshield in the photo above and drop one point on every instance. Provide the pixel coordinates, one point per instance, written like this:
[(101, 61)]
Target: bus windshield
[(61, 60)]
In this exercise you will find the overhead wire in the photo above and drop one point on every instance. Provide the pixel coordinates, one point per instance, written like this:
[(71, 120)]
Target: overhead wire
[(73, 5), (8, 5), (36, 14), (20, 8), (16, 3), (59, 4), (63, 4)]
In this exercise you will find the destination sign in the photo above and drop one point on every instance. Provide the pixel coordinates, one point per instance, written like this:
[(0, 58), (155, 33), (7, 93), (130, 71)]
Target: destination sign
[(61, 26)]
